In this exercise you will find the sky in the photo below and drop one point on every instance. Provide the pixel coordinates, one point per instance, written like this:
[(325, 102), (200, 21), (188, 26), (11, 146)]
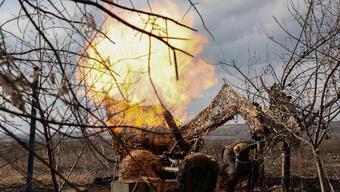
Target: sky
[(239, 27), (242, 25)]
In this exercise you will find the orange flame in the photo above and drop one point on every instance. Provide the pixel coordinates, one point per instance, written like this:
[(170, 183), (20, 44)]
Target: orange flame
[(118, 75)]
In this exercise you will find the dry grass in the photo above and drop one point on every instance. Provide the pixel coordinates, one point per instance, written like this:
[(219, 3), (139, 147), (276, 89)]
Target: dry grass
[(13, 166)]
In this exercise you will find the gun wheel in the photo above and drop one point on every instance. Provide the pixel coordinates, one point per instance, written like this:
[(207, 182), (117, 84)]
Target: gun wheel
[(197, 173)]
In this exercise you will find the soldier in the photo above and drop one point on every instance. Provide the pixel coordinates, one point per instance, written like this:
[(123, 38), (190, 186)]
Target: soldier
[(237, 164)]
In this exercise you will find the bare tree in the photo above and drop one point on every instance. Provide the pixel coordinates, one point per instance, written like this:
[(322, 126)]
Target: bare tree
[(52, 36), (307, 91)]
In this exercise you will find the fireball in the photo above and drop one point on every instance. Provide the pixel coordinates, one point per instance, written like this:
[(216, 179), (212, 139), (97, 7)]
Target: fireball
[(133, 75)]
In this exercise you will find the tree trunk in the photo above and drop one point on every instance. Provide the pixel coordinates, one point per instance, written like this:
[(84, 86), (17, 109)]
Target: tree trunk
[(285, 175), (260, 161), (324, 187)]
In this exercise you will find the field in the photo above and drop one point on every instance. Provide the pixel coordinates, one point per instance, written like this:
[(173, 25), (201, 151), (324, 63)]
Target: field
[(13, 164), (91, 166), (303, 169)]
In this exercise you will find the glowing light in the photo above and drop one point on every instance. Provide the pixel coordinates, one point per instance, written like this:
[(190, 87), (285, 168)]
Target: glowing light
[(117, 74)]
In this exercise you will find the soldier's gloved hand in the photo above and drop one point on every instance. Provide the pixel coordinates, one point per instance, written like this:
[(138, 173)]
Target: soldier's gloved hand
[(240, 147)]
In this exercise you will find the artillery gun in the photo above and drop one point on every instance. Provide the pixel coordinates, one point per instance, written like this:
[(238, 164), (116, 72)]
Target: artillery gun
[(180, 159), (182, 164)]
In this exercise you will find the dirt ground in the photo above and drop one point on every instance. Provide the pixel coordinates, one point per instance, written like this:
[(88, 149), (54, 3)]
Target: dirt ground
[(90, 166)]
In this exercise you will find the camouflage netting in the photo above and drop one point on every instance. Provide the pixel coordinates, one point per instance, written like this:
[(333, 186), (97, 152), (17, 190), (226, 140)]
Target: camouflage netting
[(283, 109), (140, 163), (143, 165), (143, 140), (148, 128), (223, 108), (284, 115)]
